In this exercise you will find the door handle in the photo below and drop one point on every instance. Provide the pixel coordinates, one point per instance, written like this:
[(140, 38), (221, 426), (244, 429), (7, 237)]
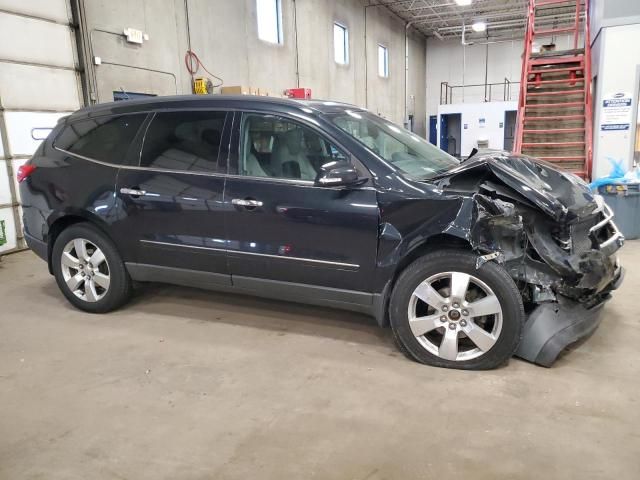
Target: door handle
[(133, 192), (246, 202)]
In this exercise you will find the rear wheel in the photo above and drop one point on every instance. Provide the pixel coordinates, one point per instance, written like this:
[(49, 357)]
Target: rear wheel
[(89, 270), (446, 312)]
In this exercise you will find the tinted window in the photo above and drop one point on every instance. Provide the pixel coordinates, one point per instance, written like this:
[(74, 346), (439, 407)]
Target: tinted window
[(103, 138), (187, 141), (276, 147)]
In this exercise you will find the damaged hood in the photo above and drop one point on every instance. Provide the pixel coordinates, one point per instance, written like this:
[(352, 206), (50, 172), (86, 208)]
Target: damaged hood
[(563, 196)]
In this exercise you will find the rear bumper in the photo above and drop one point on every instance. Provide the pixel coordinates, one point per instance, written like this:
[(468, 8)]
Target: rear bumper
[(552, 327), (39, 247)]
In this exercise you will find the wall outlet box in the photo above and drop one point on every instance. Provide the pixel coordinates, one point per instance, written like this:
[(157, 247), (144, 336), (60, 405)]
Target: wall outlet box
[(133, 35)]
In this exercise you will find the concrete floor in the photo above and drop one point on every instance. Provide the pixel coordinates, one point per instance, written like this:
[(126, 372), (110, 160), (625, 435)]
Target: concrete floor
[(185, 384)]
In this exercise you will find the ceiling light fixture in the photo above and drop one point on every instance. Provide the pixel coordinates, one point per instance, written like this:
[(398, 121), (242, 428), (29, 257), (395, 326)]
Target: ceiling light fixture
[(463, 3), (479, 26)]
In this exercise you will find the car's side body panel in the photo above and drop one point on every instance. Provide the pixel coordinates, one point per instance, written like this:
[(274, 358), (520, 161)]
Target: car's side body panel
[(65, 186), (302, 233)]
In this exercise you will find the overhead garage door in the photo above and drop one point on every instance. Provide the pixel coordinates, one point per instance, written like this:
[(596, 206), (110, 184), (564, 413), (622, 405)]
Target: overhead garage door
[(39, 83)]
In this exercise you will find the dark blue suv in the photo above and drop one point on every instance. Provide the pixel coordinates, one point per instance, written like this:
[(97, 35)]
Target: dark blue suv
[(327, 204)]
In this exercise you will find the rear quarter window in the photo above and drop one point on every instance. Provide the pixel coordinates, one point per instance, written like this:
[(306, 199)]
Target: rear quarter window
[(103, 138)]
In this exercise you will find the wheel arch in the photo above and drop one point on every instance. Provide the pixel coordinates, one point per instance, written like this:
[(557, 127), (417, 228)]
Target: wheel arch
[(440, 241), (59, 223)]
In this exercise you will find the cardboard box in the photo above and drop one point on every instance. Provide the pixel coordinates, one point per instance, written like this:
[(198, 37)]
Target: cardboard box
[(235, 90)]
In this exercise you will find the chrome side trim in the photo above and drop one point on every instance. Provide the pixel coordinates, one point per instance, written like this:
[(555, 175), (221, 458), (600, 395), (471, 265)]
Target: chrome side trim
[(197, 247), (293, 181), (280, 257), (131, 167), (299, 259)]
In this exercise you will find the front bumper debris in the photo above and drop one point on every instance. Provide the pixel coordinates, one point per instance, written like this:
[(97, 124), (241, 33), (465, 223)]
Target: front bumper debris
[(552, 327)]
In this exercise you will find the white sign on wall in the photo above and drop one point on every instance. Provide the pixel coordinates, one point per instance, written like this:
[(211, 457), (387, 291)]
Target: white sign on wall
[(616, 112)]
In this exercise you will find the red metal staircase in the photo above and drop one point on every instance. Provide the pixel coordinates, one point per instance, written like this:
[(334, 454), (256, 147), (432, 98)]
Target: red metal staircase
[(554, 110)]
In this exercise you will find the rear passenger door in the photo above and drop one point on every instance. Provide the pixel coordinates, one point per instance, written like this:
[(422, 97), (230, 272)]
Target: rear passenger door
[(171, 200)]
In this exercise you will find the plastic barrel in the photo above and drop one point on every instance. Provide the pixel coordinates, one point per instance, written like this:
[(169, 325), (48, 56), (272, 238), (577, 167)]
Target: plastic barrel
[(624, 200)]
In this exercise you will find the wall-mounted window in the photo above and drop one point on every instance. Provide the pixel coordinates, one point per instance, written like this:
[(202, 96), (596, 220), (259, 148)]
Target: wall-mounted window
[(383, 61), (269, 14), (340, 44)]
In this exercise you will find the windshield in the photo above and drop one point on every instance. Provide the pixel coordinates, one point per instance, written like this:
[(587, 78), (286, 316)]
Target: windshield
[(404, 150)]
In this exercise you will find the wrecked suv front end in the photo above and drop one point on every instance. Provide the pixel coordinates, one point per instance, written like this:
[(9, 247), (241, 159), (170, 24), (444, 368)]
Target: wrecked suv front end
[(555, 238)]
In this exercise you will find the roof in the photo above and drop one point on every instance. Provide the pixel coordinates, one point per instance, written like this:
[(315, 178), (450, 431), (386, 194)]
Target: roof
[(204, 101)]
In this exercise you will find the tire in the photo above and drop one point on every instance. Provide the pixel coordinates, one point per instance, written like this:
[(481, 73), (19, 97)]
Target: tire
[(82, 282), (449, 318)]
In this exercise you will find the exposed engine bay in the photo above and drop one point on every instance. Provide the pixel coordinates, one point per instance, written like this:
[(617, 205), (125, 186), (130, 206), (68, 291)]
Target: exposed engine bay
[(556, 239)]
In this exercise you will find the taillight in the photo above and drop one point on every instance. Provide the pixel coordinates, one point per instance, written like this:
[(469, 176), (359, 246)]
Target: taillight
[(24, 171)]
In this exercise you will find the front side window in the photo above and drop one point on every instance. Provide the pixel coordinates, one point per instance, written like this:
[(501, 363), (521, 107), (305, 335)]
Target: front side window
[(275, 147), (102, 138), (269, 13), (185, 141), (340, 44), (383, 61), (405, 150)]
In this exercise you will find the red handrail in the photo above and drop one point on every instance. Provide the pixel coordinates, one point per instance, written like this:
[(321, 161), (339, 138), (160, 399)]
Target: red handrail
[(522, 101), (588, 110), (536, 83)]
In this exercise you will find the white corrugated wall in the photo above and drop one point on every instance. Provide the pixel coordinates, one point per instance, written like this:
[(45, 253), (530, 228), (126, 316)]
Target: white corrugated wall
[(39, 83)]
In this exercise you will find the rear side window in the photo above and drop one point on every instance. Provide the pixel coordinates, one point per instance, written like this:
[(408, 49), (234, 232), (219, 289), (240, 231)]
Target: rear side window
[(104, 138), (186, 141)]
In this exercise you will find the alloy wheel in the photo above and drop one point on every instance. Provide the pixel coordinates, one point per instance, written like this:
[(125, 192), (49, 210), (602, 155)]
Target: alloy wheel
[(455, 316), (85, 270)]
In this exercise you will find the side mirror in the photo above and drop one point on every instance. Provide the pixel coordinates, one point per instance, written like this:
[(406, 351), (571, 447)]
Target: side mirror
[(337, 173)]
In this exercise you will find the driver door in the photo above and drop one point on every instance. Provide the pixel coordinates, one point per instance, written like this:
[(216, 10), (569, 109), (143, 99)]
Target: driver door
[(280, 226)]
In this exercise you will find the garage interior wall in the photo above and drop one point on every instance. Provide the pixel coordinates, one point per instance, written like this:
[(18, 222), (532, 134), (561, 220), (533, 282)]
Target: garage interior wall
[(615, 30), (450, 61), (39, 83), (224, 36)]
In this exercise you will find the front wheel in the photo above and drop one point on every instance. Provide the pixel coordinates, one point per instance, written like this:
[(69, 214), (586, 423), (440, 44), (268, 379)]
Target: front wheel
[(446, 312)]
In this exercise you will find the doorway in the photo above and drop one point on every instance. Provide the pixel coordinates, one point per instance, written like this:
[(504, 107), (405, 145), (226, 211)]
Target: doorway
[(451, 133), (509, 129), (433, 129)]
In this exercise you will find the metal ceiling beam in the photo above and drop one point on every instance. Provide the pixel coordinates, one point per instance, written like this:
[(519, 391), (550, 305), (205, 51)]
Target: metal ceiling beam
[(503, 24), (447, 18), (491, 19), (513, 11)]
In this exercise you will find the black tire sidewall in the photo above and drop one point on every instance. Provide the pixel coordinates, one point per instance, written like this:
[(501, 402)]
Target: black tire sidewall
[(490, 273), (120, 282)]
